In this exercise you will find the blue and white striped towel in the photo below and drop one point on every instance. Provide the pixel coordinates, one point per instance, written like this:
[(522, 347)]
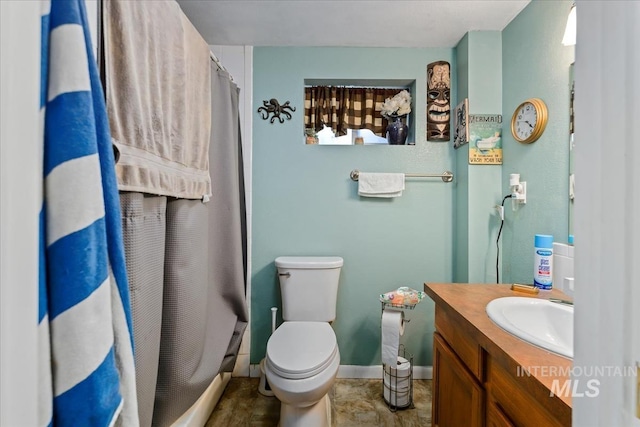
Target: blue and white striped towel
[(87, 373)]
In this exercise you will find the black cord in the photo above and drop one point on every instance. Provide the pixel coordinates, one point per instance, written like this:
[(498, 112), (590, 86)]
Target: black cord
[(498, 240)]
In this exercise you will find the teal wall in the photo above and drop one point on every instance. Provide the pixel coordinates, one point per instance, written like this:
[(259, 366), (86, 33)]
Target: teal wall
[(304, 202), (536, 65), (461, 156), (479, 71)]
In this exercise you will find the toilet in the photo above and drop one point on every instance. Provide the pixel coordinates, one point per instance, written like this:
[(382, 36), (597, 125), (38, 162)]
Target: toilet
[(302, 357)]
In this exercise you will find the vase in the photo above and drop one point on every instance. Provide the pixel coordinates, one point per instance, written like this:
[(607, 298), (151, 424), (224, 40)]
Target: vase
[(397, 131)]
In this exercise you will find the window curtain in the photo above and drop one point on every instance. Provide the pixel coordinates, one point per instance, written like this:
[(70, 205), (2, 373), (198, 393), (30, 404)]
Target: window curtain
[(342, 108)]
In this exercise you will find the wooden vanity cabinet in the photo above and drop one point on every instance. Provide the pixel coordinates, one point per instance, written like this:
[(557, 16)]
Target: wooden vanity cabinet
[(457, 396), (476, 384), (510, 394), (495, 416)]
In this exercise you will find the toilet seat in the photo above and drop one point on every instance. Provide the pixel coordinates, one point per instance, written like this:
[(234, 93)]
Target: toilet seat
[(298, 350)]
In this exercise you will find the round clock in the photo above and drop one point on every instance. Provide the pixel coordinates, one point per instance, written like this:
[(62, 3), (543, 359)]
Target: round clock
[(529, 120)]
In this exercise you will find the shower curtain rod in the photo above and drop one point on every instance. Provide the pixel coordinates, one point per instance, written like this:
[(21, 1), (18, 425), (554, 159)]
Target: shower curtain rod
[(215, 59)]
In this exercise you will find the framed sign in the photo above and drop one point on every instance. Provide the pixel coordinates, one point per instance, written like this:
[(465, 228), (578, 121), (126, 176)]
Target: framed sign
[(485, 139), (461, 120)]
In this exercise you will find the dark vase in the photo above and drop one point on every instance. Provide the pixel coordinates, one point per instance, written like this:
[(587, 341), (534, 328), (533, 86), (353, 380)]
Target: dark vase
[(397, 131)]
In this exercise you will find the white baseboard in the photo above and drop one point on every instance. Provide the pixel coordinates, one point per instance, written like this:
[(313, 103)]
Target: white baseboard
[(375, 372), (357, 371)]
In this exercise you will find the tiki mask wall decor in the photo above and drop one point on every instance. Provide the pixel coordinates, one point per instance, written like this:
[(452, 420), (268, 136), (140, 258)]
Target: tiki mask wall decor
[(438, 106)]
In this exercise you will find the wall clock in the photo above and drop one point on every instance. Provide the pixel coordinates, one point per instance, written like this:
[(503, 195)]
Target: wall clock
[(529, 120)]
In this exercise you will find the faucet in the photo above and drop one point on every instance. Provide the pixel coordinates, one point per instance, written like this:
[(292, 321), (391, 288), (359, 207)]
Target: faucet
[(561, 301)]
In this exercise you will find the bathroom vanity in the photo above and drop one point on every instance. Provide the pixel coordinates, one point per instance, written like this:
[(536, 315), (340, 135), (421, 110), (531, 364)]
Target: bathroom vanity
[(483, 375)]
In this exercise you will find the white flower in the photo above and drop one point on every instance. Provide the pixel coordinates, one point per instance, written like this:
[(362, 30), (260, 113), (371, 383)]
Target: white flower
[(399, 105)]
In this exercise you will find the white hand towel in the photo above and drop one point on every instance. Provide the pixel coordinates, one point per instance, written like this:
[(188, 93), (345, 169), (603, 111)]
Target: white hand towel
[(380, 184)]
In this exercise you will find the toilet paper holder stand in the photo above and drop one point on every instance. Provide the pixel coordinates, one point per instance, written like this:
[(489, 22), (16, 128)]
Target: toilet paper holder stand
[(398, 306), (397, 383), (396, 393)]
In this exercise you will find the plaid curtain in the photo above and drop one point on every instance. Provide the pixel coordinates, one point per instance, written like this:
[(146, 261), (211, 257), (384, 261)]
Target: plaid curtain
[(346, 107)]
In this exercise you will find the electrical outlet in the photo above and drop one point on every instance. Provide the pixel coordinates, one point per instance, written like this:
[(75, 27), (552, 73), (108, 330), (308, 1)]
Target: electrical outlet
[(519, 195), (500, 211)]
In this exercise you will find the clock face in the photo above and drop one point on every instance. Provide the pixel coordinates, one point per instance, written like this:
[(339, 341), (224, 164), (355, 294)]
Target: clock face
[(529, 120), (526, 121)]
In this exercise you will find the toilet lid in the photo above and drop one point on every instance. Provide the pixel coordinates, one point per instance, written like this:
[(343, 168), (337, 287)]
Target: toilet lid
[(301, 349)]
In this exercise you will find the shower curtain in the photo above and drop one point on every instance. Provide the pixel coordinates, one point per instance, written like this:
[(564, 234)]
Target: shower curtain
[(185, 255), (187, 272)]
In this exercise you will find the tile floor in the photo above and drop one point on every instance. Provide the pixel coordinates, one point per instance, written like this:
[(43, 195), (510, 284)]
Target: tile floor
[(355, 402)]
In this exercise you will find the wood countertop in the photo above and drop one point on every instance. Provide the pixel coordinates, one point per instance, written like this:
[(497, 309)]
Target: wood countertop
[(467, 302)]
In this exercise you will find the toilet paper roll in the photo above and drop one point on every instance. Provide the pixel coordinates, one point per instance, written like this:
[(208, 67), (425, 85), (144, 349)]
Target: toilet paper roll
[(396, 398), (398, 378), (392, 329)]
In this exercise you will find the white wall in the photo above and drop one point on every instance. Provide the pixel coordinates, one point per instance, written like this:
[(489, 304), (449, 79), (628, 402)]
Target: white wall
[(20, 204), (607, 231), (20, 201)]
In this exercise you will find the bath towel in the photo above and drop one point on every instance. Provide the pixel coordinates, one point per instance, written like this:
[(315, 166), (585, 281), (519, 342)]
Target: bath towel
[(158, 87), (86, 368), (380, 184)]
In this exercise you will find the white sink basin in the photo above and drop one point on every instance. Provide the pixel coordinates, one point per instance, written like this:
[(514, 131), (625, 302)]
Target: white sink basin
[(540, 322)]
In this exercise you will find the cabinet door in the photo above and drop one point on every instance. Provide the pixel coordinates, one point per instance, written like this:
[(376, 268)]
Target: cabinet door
[(512, 397), (457, 397), (495, 416)]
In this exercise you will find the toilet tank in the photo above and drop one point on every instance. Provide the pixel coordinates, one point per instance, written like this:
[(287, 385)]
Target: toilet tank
[(309, 287)]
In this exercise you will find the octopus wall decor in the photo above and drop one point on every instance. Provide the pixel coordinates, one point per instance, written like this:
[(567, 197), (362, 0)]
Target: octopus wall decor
[(279, 112)]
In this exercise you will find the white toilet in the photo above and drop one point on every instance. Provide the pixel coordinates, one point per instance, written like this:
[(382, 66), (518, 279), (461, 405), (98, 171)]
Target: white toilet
[(302, 354)]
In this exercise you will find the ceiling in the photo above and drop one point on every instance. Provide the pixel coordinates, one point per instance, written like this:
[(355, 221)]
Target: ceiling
[(361, 23)]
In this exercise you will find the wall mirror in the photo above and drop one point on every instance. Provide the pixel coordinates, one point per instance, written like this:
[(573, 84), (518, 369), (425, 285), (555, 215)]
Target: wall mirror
[(571, 148), (348, 112)]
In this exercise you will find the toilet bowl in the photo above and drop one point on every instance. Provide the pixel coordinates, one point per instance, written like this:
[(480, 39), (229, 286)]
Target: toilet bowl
[(301, 365), (302, 357)]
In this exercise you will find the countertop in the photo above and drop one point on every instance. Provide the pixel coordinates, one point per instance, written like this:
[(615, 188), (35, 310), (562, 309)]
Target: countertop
[(470, 300)]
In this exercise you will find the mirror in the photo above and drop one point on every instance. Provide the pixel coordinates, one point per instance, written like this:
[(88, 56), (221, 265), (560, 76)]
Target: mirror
[(571, 149)]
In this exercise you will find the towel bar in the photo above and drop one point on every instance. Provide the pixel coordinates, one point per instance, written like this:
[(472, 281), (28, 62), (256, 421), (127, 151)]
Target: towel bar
[(446, 176)]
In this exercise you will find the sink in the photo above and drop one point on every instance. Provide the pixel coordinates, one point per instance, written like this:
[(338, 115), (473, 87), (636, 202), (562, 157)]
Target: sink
[(539, 322)]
